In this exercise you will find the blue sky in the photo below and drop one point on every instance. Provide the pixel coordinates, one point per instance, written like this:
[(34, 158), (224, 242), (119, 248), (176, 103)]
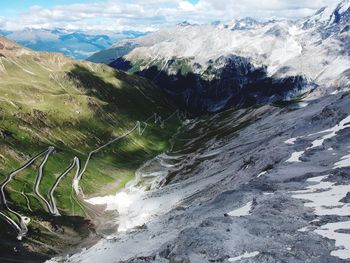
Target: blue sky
[(145, 15), (15, 7)]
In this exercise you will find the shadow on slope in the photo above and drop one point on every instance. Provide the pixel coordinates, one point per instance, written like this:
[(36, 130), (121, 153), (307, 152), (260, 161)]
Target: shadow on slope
[(83, 110), (127, 99), (231, 81)]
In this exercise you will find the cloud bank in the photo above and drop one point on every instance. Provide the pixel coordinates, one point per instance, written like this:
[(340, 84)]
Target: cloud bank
[(149, 15)]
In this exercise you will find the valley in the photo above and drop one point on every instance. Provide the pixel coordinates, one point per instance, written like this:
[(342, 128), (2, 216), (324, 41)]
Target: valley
[(231, 192), (76, 44), (219, 142), (71, 108)]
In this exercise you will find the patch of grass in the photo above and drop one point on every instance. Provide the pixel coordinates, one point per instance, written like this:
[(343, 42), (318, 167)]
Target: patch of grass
[(47, 99)]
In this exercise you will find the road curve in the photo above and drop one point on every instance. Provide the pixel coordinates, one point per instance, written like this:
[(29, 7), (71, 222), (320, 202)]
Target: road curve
[(138, 124), (21, 228), (52, 190), (157, 120), (50, 150)]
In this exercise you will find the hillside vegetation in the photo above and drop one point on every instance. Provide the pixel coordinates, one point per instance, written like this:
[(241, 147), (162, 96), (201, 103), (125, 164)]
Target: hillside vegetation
[(47, 99)]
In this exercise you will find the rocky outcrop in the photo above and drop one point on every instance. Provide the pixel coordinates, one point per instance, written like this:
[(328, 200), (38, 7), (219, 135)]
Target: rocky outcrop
[(229, 81), (240, 63), (234, 192)]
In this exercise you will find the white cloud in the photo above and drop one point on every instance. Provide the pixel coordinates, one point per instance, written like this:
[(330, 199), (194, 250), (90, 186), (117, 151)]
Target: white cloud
[(187, 6), (151, 14), (2, 22)]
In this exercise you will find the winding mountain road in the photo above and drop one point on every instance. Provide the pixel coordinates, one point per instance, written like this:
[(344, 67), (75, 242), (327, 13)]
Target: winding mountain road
[(39, 177), (22, 226), (79, 174), (51, 205), (58, 180), (157, 120)]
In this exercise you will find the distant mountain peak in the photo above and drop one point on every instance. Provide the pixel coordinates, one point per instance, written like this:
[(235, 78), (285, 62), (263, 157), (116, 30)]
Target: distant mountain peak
[(245, 23), (78, 44), (216, 23), (185, 23), (328, 16), (248, 19), (8, 48), (342, 12)]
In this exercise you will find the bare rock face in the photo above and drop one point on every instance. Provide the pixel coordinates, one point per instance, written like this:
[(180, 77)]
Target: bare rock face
[(263, 183), (9, 48), (234, 190), (229, 81), (208, 68), (267, 180)]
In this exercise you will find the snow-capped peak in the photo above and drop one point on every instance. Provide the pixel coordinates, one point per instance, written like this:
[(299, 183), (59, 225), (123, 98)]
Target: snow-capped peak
[(344, 6), (316, 48), (184, 24), (341, 12), (246, 23), (326, 16)]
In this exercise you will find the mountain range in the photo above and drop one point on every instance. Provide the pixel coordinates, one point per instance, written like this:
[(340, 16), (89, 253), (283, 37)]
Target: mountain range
[(222, 142), (51, 103), (223, 58), (262, 174), (75, 44)]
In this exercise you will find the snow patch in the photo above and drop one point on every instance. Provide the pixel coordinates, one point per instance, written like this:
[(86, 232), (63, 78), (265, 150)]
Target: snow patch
[(295, 158), (122, 202), (304, 229), (262, 173), (330, 133), (342, 240), (244, 256), (243, 211), (344, 162), (291, 141), (345, 5), (324, 197)]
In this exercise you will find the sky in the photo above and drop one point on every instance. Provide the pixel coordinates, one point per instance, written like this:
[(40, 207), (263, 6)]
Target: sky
[(145, 15)]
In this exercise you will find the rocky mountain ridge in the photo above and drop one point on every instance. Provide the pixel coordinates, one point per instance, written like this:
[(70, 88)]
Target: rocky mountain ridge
[(55, 113), (314, 50), (72, 43)]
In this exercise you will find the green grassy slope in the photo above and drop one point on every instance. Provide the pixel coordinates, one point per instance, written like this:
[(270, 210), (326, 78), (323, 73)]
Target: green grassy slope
[(49, 100)]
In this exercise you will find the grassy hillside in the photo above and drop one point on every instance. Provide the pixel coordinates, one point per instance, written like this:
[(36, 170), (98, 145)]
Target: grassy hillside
[(49, 100)]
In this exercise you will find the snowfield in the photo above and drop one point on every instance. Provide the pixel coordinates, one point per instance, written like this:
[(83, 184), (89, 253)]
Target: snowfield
[(316, 48)]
